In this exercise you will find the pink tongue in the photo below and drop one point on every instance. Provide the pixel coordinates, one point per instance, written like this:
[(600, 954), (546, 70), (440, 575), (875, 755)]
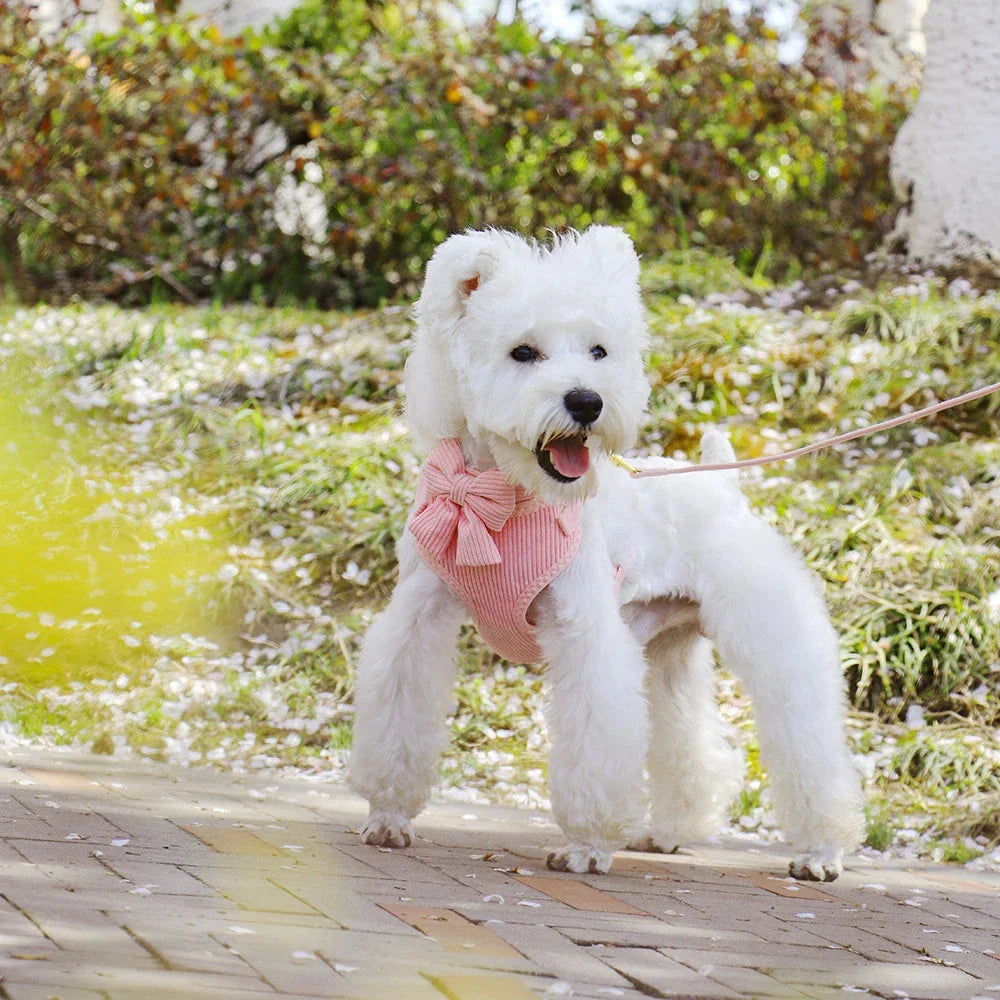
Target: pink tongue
[(570, 457)]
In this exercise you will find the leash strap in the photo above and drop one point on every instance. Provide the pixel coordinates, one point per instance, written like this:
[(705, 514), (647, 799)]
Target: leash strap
[(859, 432)]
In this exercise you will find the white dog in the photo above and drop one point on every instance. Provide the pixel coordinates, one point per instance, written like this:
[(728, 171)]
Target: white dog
[(526, 374)]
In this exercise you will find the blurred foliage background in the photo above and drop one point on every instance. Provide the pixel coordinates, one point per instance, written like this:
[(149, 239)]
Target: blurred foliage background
[(98, 556), (323, 158)]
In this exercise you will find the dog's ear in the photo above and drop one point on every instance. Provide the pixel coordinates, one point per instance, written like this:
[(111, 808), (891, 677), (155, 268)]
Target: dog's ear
[(612, 253), (460, 266), (433, 410)]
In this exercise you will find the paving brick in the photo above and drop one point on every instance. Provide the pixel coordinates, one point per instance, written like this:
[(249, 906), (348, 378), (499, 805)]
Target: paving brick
[(388, 862), (487, 884), (471, 987), (63, 969), (170, 907), (335, 944), (183, 944), (348, 908), (283, 809), (579, 895), (29, 828), (304, 879), (218, 991), (864, 941), (33, 991), (659, 975), (11, 809), (798, 932), (515, 911), (16, 929), (40, 896), (659, 889), (816, 991), (65, 781), (656, 934), (701, 879), (924, 980), (815, 913), (233, 840), (145, 830), (39, 813), (776, 884), (556, 953), (486, 878), (409, 983), (88, 825), (69, 865), (195, 853), (285, 959), (85, 932), (750, 982), (649, 865), (768, 957), (161, 879), (331, 862), (967, 916), (982, 883), (563, 917), (251, 889), (587, 992), (148, 981), (844, 979), (452, 931)]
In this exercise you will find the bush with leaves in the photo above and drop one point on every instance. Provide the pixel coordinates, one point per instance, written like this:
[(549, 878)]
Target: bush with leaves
[(325, 160)]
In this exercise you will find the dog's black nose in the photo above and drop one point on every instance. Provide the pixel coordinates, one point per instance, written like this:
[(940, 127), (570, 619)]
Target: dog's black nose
[(584, 405)]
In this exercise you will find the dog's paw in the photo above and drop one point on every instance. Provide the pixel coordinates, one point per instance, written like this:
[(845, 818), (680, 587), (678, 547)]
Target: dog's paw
[(387, 828), (654, 844), (817, 866), (581, 858)]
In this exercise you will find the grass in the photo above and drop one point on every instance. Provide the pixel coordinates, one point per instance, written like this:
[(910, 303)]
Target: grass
[(233, 480), (880, 832)]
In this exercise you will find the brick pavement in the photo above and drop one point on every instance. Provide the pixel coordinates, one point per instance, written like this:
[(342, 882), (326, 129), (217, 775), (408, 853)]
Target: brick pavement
[(133, 881)]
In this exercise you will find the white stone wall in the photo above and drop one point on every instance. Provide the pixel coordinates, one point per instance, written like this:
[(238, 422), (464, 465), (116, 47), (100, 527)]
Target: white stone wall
[(946, 160)]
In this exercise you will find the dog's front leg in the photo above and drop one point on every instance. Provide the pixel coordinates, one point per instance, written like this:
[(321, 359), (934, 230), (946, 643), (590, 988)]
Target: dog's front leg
[(597, 713), (402, 692)]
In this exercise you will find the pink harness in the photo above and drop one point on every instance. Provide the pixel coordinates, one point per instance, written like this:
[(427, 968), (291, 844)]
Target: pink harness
[(494, 545)]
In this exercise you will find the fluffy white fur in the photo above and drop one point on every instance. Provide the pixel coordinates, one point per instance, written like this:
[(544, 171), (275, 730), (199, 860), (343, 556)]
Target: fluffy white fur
[(630, 673)]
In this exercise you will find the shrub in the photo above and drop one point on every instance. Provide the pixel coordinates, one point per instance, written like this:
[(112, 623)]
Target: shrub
[(326, 160)]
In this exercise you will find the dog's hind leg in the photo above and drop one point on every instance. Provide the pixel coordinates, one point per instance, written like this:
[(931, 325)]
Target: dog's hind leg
[(764, 611), (694, 771), (402, 693)]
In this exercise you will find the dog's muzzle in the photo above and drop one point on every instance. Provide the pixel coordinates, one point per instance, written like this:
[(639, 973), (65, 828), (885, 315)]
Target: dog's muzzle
[(565, 459)]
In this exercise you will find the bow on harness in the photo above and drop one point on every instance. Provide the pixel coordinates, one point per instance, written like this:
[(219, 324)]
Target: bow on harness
[(471, 505)]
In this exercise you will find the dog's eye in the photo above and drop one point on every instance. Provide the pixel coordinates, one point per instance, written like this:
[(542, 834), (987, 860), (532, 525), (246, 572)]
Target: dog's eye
[(597, 352), (524, 353)]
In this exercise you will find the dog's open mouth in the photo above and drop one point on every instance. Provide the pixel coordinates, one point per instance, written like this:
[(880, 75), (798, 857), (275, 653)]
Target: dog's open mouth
[(565, 459)]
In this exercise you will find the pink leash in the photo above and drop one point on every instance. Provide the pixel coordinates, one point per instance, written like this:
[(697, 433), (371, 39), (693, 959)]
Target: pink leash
[(816, 445)]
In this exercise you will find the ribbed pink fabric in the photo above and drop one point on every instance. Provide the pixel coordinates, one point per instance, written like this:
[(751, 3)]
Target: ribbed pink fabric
[(494, 545)]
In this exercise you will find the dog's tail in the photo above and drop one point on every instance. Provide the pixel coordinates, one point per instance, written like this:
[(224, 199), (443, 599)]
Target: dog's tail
[(716, 450)]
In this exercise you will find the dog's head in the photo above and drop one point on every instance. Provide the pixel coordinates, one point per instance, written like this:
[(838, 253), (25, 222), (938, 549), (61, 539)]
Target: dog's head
[(532, 352)]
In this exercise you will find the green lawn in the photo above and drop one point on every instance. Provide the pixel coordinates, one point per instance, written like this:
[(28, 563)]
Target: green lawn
[(200, 506)]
